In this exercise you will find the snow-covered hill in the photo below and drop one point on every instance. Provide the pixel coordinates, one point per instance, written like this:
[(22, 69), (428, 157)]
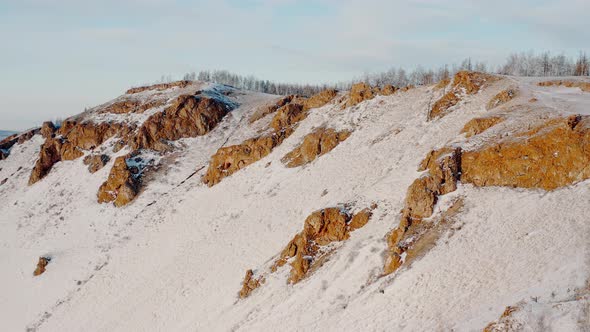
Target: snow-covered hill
[(498, 251)]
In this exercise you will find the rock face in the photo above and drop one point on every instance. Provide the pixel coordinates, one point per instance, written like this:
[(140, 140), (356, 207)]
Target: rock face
[(584, 86), (304, 251), (159, 87), (360, 92), (502, 97), (464, 83), (249, 284), (287, 116), (230, 159), (444, 169), (315, 144), (49, 155), (132, 106), (122, 186), (550, 156), (479, 125), (189, 116), (48, 129), (320, 229), (41, 264), (269, 109), (442, 83), (320, 99), (96, 162), (73, 138)]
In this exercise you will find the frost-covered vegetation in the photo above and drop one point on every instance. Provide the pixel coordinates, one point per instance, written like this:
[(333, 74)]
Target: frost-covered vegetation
[(517, 64)]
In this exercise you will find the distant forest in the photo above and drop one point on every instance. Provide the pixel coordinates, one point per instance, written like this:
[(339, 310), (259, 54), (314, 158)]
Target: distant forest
[(517, 64)]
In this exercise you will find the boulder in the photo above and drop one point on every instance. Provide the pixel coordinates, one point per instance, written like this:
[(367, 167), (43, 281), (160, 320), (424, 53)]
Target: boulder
[(41, 264)]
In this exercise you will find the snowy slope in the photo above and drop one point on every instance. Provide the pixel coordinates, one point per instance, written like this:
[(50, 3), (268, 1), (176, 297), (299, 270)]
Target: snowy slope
[(174, 259)]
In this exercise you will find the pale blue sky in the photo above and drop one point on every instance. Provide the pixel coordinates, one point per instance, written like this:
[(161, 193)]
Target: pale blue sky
[(59, 56)]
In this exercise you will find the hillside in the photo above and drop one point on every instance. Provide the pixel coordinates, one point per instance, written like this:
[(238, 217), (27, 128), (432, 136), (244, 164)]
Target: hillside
[(196, 206)]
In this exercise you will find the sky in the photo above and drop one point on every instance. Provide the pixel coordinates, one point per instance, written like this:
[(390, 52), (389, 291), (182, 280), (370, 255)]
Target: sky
[(59, 56)]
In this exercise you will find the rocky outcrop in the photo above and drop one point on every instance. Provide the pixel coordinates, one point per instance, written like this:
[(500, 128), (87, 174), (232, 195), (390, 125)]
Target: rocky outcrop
[(549, 156), (160, 87), (89, 135), (388, 90), (320, 99), (96, 162), (315, 144), (52, 151), (72, 138), (41, 264), (501, 98), (304, 252), (505, 322), (249, 284), (230, 159), (189, 116), (269, 109), (479, 125), (584, 86), (360, 92), (132, 106), (442, 83), (287, 116), (464, 83), (320, 229), (121, 186), (48, 129), (444, 169)]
